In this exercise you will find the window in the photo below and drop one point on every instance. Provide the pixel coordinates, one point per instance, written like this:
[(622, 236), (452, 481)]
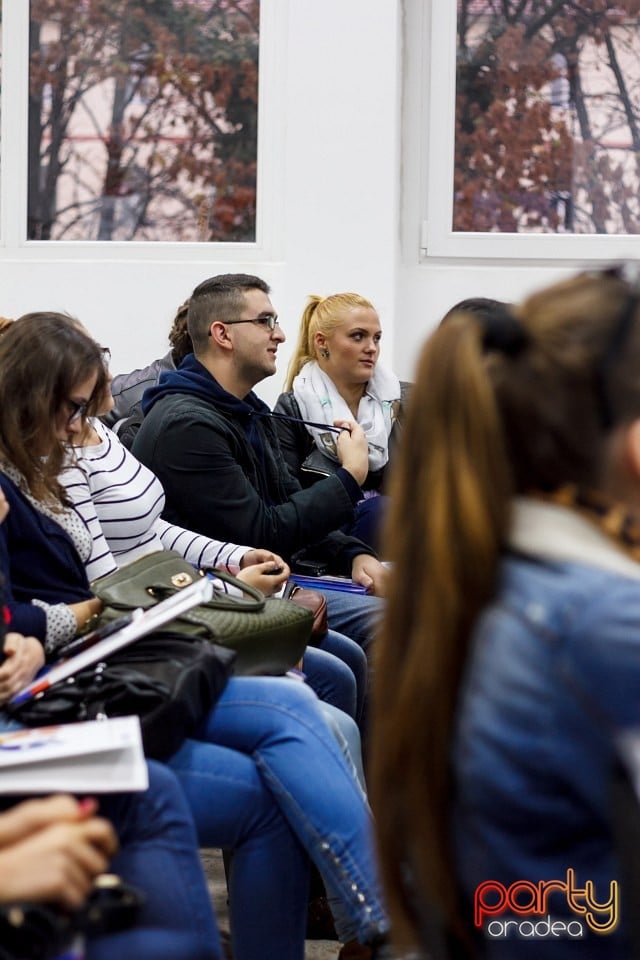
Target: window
[(143, 120), (534, 129)]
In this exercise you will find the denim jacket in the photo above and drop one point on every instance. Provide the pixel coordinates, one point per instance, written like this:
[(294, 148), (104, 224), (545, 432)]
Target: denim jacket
[(553, 677)]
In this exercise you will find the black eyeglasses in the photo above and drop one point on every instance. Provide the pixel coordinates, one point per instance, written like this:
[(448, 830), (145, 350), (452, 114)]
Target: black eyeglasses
[(78, 411), (270, 320)]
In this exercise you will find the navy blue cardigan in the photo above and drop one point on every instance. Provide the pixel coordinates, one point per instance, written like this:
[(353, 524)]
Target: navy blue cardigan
[(37, 560)]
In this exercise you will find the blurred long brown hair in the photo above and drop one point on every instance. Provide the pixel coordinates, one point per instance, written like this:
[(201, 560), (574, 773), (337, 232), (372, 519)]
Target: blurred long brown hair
[(482, 424)]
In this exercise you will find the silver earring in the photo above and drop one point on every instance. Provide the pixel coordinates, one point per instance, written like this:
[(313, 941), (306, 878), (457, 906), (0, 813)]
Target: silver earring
[(324, 353)]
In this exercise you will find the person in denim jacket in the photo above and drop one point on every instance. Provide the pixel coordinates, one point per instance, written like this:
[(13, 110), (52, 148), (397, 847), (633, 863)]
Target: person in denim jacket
[(506, 680)]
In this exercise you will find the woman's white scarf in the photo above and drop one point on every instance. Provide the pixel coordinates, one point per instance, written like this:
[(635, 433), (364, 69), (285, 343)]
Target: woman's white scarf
[(319, 400)]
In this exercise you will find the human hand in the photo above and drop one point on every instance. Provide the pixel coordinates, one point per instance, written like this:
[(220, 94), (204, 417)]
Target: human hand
[(56, 850), (257, 575), (352, 449), (30, 816), (252, 557), (24, 656), (369, 572), (4, 506)]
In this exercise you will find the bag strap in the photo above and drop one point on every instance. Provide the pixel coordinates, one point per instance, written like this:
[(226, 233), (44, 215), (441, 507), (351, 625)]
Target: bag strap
[(309, 423), (252, 599)]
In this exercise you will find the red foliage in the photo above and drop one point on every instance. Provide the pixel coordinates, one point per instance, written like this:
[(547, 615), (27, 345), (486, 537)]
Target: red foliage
[(181, 123), (523, 161)]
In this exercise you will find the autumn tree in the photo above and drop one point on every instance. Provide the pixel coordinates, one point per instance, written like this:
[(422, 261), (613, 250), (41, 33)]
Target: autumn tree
[(547, 116), (143, 119)]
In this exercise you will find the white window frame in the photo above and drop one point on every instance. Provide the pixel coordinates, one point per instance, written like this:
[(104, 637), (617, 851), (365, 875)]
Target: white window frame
[(437, 239), (269, 241)]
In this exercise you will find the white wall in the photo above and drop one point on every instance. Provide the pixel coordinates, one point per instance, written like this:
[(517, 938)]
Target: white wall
[(343, 195), (330, 124), (426, 285)]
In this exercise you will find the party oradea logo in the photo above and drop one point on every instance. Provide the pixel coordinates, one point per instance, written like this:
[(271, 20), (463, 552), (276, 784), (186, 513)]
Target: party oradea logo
[(522, 911)]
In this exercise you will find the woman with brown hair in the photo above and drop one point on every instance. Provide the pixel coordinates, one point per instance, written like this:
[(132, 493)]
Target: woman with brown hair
[(507, 671), (269, 782)]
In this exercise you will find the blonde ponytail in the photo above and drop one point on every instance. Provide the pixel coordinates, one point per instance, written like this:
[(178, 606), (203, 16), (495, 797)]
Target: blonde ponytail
[(304, 351)]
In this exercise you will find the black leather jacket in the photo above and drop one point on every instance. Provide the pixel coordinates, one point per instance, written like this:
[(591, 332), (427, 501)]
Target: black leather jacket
[(215, 485), (309, 464)]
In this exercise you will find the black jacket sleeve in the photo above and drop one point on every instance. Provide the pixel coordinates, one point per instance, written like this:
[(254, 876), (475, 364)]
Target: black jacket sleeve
[(295, 440), (215, 485)]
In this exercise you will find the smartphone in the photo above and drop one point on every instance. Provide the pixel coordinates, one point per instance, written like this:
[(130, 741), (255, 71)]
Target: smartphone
[(288, 589)]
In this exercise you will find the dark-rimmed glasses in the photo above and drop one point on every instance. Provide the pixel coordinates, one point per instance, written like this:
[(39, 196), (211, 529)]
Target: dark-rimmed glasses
[(269, 320), (78, 411)]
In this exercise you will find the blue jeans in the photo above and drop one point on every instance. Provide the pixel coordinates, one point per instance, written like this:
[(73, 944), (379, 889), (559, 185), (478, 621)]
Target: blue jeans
[(356, 614), (336, 670), (276, 724), (159, 854), (269, 873), (369, 521)]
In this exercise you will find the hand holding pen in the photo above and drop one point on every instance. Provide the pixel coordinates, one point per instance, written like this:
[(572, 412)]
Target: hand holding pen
[(352, 449), (351, 443)]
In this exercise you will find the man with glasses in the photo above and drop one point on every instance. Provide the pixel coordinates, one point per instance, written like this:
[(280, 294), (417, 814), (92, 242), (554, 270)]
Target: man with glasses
[(212, 443)]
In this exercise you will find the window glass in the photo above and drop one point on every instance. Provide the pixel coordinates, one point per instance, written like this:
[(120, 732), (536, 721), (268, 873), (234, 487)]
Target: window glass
[(143, 120), (547, 131)]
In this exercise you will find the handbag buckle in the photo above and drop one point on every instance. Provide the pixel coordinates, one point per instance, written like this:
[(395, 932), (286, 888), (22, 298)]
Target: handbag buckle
[(182, 579)]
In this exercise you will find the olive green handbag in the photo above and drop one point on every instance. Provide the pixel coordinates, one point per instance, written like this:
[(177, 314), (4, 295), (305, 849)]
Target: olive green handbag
[(268, 635)]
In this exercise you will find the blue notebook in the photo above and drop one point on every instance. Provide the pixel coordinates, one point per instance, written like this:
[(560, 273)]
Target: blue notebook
[(342, 584)]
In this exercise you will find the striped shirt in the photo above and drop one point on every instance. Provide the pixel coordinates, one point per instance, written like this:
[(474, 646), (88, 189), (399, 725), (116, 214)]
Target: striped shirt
[(121, 501)]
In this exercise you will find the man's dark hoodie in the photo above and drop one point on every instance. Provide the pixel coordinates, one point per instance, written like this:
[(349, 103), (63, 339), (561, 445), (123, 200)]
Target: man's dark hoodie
[(224, 475)]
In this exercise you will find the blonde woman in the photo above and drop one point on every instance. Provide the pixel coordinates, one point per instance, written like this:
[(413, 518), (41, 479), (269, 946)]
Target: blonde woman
[(335, 373)]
